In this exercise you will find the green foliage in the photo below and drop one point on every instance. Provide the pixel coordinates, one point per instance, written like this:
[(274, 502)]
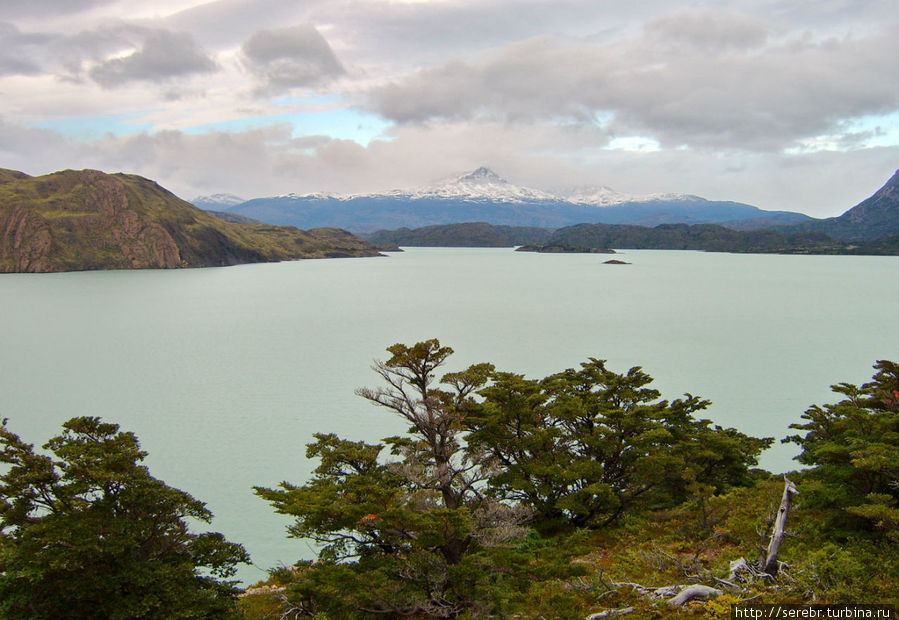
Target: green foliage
[(89, 533), (432, 522), (410, 533), (585, 446), (853, 448), (429, 524)]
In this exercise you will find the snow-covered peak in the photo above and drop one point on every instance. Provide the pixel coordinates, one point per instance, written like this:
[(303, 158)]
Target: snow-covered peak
[(485, 185), (600, 195), (482, 184), (225, 200), (482, 175), (604, 196)]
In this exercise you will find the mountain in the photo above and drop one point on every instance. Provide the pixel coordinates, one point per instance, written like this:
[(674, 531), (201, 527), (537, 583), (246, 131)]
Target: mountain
[(77, 220), (483, 196), (216, 202), (874, 218), (605, 237)]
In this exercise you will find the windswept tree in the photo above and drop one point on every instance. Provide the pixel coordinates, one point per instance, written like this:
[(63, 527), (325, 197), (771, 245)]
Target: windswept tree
[(427, 530), (411, 533), (585, 446), (87, 532), (852, 447)]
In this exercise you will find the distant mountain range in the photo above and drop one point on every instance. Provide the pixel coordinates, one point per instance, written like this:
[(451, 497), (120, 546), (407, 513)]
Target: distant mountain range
[(483, 196), (592, 237), (78, 220), (871, 227)]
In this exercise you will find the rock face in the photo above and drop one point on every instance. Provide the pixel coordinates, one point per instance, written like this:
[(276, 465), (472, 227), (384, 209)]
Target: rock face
[(77, 220), (876, 217), (25, 242)]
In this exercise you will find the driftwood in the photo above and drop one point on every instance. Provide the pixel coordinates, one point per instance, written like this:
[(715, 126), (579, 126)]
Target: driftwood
[(770, 565), (690, 592), (740, 569), (611, 613)]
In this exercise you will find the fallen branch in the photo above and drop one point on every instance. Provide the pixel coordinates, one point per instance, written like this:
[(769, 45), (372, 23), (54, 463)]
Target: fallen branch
[(741, 571), (611, 613), (691, 592), (770, 565)]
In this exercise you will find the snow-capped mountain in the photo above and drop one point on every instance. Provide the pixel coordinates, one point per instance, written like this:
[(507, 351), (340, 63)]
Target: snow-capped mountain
[(217, 201), (605, 196), (484, 185), (484, 196)]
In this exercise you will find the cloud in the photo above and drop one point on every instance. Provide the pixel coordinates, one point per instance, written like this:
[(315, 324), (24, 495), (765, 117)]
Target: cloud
[(269, 161), (708, 30), (285, 58), (14, 9), (19, 51), (751, 93), (162, 56)]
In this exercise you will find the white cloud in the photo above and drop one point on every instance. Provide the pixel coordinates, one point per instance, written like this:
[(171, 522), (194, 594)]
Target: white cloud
[(741, 99)]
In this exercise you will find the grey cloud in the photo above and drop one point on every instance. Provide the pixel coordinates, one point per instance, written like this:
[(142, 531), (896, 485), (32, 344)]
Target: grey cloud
[(20, 53), (296, 56), (709, 30), (756, 96), (17, 9), (269, 161), (163, 55)]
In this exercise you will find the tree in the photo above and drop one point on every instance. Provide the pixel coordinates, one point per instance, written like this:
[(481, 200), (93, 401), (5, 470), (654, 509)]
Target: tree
[(89, 533), (853, 449), (412, 533), (585, 446)]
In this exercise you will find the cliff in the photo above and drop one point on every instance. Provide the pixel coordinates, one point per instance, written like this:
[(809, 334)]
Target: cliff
[(79, 220)]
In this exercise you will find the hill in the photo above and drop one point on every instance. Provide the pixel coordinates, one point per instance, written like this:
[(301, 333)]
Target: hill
[(873, 218), (714, 238), (78, 220), (468, 234), (483, 196), (591, 237)]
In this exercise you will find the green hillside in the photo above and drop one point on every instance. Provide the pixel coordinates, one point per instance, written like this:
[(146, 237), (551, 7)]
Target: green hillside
[(80, 220)]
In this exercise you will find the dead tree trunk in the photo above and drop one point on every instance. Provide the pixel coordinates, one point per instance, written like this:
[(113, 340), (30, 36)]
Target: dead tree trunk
[(770, 565)]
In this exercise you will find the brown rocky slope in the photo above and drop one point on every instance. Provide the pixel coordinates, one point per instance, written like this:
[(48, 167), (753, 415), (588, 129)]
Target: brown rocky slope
[(79, 220)]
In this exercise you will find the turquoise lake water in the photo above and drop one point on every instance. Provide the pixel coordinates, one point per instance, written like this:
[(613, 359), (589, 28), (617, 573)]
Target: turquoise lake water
[(224, 374)]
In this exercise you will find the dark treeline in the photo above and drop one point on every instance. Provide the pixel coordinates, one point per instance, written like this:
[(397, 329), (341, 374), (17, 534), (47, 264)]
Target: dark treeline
[(704, 237)]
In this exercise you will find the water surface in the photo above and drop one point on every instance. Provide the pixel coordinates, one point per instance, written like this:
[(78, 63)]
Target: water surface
[(225, 373)]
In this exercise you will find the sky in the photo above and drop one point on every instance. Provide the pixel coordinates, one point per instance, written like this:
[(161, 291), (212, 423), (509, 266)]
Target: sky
[(783, 104)]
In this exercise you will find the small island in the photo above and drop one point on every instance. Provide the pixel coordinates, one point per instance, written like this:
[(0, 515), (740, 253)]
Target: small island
[(563, 249)]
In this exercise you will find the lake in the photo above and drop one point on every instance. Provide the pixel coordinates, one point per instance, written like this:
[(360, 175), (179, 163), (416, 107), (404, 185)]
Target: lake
[(225, 373)]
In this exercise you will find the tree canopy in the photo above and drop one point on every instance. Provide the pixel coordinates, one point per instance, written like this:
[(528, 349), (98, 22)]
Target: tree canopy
[(588, 445), (853, 448), (437, 526), (423, 537), (87, 532)]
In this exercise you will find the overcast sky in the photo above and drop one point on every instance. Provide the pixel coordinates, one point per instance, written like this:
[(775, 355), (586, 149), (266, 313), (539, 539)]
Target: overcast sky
[(784, 104)]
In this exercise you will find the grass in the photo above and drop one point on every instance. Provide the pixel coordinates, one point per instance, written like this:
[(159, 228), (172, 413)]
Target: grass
[(94, 217)]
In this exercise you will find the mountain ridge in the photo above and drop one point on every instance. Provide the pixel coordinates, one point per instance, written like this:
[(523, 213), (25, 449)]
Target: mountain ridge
[(81, 220), (484, 196), (873, 218)]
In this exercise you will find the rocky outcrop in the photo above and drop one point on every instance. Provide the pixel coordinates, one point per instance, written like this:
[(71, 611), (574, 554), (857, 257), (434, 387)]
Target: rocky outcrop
[(77, 220), (25, 241)]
